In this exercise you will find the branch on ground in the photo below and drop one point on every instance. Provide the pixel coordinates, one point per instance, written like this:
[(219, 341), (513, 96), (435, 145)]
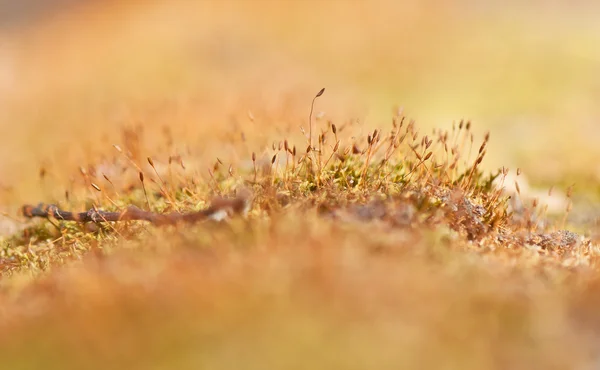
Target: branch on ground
[(219, 209)]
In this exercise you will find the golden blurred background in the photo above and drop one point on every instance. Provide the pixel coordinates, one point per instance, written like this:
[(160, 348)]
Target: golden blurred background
[(73, 74), (297, 291)]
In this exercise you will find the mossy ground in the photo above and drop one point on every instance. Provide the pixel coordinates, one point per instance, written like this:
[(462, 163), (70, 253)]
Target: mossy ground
[(388, 244)]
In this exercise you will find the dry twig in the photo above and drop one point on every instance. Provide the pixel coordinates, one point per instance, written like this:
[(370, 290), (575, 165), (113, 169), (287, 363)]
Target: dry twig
[(218, 210)]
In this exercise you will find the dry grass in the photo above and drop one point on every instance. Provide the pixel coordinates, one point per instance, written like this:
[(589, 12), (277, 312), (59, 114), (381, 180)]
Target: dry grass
[(377, 244)]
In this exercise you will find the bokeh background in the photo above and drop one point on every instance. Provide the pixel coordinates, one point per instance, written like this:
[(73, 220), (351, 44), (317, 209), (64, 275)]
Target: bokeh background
[(74, 73), (189, 77)]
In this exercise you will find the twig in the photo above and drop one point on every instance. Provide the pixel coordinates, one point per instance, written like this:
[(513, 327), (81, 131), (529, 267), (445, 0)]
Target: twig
[(219, 209)]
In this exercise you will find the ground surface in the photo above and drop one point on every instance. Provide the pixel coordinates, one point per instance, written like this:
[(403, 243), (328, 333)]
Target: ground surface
[(387, 244)]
